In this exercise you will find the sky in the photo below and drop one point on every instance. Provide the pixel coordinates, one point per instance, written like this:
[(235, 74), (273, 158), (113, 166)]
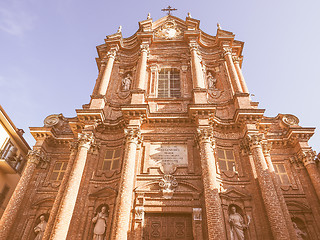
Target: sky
[(48, 51)]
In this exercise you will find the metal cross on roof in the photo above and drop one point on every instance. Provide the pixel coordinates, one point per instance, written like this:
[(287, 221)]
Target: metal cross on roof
[(169, 9)]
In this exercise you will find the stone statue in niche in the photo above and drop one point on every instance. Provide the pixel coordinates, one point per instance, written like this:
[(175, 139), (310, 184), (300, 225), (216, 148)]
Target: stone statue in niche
[(100, 221), (237, 225), (300, 234), (126, 83), (211, 81), (40, 228)]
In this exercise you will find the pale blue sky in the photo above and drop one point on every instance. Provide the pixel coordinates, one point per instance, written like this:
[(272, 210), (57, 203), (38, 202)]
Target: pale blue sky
[(47, 51)]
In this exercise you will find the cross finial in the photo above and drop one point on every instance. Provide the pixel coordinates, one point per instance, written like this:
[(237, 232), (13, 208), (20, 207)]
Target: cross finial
[(169, 9)]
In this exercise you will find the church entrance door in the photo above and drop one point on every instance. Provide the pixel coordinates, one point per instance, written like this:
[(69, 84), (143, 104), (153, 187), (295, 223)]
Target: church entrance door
[(167, 226)]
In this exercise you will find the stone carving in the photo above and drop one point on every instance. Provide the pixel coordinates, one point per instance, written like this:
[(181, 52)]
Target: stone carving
[(38, 157), (211, 81), (169, 30), (40, 228), (85, 140), (189, 15), (237, 225), (266, 147), (139, 213), (197, 214), (119, 29), (100, 221), (51, 120), (307, 157), (126, 83), (168, 183), (300, 234), (254, 139), (290, 120), (133, 135), (112, 53), (205, 135), (149, 16), (144, 48), (219, 26)]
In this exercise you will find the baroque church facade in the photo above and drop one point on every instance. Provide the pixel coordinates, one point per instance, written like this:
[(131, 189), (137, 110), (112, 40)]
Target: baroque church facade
[(170, 147)]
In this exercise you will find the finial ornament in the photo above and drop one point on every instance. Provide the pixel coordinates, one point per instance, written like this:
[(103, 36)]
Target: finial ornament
[(119, 29), (189, 15), (169, 9), (219, 26), (149, 16)]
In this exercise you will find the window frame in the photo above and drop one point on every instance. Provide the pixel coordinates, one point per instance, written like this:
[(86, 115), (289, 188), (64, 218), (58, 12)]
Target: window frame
[(280, 175), (112, 159), (226, 160), (173, 77), (59, 171)]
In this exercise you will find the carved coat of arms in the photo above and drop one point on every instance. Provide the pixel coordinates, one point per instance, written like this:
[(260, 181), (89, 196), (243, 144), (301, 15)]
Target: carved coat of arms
[(168, 31)]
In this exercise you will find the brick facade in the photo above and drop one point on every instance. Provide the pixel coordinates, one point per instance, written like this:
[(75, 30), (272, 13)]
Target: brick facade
[(190, 157)]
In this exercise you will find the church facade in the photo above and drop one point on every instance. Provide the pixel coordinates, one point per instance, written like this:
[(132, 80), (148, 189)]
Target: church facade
[(170, 147)]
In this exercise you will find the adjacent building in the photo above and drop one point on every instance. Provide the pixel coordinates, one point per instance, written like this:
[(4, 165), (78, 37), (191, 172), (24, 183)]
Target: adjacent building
[(13, 156), (170, 147)]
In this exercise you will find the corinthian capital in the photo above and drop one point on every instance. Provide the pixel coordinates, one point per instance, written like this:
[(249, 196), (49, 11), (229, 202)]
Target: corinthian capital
[(37, 157), (307, 157), (227, 51), (236, 59), (193, 47), (144, 48), (112, 53), (85, 140), (254, 139), (205, 135), (133, 135), (266, 147)]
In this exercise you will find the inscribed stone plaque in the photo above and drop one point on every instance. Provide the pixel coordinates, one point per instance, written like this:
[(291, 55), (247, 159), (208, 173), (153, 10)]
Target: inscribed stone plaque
[(168, 156)]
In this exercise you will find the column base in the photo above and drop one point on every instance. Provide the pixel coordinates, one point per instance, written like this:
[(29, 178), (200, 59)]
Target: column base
[(138, 96), (242, 100), (200, 96), (97, 102)]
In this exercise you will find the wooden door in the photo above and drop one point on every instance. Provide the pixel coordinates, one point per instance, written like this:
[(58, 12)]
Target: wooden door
[(160, 226)]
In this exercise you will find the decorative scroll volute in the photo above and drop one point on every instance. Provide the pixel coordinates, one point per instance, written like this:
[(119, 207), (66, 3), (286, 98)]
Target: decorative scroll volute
[(266, 147), (205, 135), (133, 135), (38, 157), (307, 157), (254, 139)]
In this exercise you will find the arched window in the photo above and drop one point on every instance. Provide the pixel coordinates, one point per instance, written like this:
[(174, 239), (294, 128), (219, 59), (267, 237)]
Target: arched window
[(169, 83)]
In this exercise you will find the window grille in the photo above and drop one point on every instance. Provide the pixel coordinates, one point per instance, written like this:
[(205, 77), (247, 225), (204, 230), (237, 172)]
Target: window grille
[(169, 83)]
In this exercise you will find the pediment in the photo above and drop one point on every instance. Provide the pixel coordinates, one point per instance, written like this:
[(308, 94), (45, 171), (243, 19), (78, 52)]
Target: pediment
[(45, 202), (296, 206), (104, 193), (234, 193)]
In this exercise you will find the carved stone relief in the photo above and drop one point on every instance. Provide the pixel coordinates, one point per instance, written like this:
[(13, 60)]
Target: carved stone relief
[(169, 31)]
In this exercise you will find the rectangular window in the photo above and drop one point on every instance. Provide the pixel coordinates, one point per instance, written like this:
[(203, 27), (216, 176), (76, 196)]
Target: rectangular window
[(169, 83), (58, 171), (281, 173), (111, 160), (226, 160)]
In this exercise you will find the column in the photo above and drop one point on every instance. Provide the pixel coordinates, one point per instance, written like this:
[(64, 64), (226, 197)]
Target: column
[(214, 212), (197, 73), (63, 219), (240, 75), (124, 199), (308, 159), (232, 69), (142, 66), (268, 191), (105, 78), (56, 205), (35, 157), (266, 147)]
